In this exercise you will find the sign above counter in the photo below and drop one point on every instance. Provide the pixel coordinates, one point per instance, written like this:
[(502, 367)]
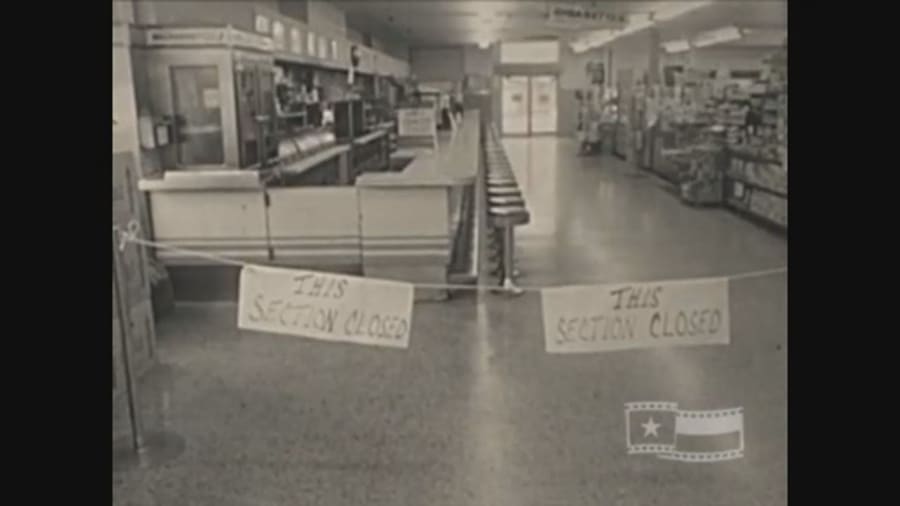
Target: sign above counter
[(294, 41), (181, 37)]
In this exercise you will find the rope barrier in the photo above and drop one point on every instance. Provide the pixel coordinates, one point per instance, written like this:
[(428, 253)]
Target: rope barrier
[(129, 235)]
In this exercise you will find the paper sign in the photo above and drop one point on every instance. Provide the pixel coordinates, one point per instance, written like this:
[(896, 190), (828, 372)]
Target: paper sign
[(296, 41), (261, 23), (311, 43), (416, 122), (211, 98), (586, 319), (278, 35), (323, 48), (325, 306)]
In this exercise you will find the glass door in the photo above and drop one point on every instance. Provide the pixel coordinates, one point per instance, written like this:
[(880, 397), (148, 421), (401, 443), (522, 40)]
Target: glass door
[(515, 105), (529, 105), (198, 115), (542, 116)]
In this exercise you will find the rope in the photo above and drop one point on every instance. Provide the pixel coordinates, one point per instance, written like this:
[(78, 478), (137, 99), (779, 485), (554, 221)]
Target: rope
[(130, 236)]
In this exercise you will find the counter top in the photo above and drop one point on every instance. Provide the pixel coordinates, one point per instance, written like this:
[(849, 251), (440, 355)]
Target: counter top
[(228, 180), (235, 180), (454, 162), (365, 139), (308, 162)]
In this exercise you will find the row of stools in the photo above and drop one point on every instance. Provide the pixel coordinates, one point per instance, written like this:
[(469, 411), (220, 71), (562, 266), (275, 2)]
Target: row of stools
[(506, 210)]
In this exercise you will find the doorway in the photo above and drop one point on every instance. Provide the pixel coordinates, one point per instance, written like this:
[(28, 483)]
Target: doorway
[(529, 105)]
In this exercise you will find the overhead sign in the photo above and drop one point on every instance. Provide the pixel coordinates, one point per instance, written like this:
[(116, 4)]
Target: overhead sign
[(579, 16), (586, 319), (329, 307)]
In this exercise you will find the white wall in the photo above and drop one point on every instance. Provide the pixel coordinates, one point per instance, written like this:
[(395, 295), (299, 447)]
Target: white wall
[(477, 61), (123, 11), (327, 19)]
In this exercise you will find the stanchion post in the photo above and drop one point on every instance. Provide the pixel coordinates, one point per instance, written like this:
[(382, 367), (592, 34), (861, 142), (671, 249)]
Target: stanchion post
[(137, 431)]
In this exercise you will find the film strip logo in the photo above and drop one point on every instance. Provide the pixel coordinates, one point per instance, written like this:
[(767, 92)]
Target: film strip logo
[(661, 429)]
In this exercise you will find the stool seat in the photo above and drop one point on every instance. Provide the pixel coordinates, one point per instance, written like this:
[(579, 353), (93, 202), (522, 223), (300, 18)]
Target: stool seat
[(506, 200), (508, 216), (503, 191), (498, 179)]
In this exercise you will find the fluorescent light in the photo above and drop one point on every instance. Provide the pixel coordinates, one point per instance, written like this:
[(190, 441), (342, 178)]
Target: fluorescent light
[(674, 9), (676, 46), (719, 36)]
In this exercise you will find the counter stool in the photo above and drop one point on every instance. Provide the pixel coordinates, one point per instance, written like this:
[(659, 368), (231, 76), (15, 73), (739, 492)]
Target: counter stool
[(506, 218), (503, 190), (506, 200), (496, 240)]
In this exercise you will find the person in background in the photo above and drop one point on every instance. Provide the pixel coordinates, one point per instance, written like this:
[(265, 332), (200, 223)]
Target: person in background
[(457, 106), (446, 120), (583, 119)]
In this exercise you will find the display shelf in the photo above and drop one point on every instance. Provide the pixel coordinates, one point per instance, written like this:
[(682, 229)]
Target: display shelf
[(757, 186), (750, 157), (760, 206), (292, 115), (756, 218)]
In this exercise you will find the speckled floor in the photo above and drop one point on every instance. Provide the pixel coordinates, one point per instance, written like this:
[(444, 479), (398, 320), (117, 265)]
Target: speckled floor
[(475, 412)]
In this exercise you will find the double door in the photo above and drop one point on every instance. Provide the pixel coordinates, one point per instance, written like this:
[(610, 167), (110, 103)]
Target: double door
[(529, 105)]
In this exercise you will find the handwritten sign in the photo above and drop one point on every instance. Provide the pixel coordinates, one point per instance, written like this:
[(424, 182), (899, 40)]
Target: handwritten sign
[(586, 319), (325, 306)]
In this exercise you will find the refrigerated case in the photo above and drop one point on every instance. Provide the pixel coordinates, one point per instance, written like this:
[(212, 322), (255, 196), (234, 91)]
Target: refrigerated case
[(216, 88)]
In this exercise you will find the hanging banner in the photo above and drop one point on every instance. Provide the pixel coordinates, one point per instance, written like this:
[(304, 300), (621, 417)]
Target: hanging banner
[(324, 306), (588, 319), (576, 16)]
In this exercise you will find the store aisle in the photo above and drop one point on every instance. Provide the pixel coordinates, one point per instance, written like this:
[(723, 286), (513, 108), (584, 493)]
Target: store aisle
[(601, 219), (475, 412)]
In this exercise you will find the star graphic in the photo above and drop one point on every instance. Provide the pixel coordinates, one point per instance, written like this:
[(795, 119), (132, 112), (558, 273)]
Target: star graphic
[(650, 428)]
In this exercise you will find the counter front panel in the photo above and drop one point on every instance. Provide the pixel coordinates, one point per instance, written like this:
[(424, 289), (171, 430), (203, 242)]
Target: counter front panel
[(314, 226), (227, 223)]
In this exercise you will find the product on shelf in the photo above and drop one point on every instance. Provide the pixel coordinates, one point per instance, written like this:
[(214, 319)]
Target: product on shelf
[(770, 207)]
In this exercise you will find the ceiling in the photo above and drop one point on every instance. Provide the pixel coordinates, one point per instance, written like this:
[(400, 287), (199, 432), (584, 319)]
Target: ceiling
[(437, 23)]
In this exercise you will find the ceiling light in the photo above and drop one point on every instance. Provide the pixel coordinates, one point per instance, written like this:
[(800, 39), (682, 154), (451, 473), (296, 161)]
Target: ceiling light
[(484, 44), (676, 46), (719, 36), (675, 9)]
